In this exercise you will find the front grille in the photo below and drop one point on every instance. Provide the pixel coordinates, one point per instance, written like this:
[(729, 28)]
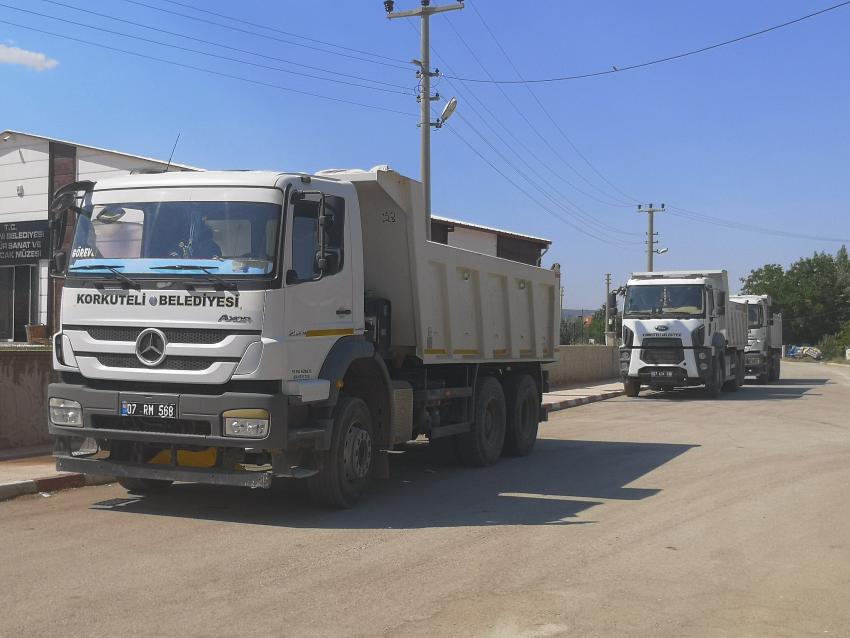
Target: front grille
[(194, 336), (662, 350), (145, 424), (112, 360)]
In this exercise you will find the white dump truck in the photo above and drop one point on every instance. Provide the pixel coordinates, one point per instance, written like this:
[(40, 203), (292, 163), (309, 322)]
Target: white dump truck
[(236, 327), (764, 342), (680, 329)]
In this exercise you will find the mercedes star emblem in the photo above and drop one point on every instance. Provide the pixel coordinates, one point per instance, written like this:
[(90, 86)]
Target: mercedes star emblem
[(150, 347)]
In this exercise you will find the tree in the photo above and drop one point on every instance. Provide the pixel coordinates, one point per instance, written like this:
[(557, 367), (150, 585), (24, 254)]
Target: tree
[(813, 295)]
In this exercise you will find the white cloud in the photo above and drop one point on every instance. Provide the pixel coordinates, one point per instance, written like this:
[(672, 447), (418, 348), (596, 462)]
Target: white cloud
[(31, 59)]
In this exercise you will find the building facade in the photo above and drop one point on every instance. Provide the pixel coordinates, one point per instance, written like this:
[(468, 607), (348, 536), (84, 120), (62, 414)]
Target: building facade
[(32, 169)]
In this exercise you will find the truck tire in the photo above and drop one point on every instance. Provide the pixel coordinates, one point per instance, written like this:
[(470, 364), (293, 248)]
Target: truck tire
[(714, 386), (482, 445), (740, 371), (523, 415), (347, 467), (143, 485), (777, 368), (731, 385), (631, 387), (764, 376)]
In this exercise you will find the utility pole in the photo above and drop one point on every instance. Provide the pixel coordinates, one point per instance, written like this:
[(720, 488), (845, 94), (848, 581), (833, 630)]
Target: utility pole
[(650, 235), (424, 12), (609, 334)]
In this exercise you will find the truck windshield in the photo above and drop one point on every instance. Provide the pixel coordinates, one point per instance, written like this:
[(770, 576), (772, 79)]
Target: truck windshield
[(677, 300), (754, 316), (233, 239)]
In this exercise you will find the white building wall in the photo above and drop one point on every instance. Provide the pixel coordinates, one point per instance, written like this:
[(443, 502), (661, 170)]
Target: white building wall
[(23, 162), (475, 240)]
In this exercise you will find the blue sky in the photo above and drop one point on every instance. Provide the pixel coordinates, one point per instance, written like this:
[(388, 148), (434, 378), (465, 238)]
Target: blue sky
[(757, 132)]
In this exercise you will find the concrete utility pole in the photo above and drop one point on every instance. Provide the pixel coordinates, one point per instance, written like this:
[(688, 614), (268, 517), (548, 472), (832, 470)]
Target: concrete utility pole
[(650, 234), (425, 98)]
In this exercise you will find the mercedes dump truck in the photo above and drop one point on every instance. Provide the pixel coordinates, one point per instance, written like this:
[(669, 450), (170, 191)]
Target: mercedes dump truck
[(763, 355), (681, 329), (236, 327)]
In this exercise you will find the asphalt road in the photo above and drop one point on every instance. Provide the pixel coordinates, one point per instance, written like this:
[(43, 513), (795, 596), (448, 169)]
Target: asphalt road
[(669, 515)]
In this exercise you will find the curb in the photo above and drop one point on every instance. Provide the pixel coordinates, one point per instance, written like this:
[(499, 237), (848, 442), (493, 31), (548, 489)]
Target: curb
[(64, 481), (572, 403)]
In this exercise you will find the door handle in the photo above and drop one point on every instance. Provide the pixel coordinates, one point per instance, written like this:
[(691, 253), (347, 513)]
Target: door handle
[(343, 311)]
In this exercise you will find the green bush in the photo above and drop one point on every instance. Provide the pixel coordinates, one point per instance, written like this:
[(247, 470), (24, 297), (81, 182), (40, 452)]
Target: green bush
[(829, 347)]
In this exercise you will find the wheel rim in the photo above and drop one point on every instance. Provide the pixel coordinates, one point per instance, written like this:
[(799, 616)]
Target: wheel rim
[(357, 453)]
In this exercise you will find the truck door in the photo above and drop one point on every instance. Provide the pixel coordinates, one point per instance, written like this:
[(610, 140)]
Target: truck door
[(319, 280)]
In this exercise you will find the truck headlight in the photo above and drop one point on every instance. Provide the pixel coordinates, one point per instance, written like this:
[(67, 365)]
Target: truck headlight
[(66, 412), (248, 424)]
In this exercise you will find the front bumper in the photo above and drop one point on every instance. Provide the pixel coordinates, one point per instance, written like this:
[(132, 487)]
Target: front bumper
[(754, 362), (211, 476), (198, 422)]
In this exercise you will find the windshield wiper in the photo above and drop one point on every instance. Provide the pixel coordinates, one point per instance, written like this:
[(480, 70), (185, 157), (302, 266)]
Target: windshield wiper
[(210, 276), (111, 268)]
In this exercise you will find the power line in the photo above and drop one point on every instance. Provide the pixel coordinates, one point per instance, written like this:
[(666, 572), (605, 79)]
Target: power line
[(575, 211), (590, 233), (263, 35), (204, 70), (719, 221), (520, 188), (546, 111), (678, 56), (528, 122), (199, 52), (288, 33), (223, 46)]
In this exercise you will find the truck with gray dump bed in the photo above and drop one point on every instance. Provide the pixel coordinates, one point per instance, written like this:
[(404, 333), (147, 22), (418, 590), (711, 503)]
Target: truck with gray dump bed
[(238, 327), (763, 355)]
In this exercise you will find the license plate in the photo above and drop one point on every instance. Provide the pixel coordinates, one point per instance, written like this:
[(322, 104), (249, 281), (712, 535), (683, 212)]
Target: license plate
[(661, 374), (154, 409)]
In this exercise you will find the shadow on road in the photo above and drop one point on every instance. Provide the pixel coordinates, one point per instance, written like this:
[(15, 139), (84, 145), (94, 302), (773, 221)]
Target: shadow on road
[(555, 484), (751, 391)]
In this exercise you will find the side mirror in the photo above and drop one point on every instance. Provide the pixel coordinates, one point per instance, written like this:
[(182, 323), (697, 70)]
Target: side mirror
[(721, 303), (611, 303), (57, 263)]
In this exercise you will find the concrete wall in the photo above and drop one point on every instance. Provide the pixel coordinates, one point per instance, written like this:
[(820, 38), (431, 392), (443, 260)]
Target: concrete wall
[(24, 375), (579, 364)]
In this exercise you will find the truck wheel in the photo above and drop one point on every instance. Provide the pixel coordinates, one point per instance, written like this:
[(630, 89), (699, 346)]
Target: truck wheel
[(731, 385), (631, 387), (347, 467), (523, 415), (741, 371), (144, 485), (777, 364), (714, 386), (482, 445), (764, 376)]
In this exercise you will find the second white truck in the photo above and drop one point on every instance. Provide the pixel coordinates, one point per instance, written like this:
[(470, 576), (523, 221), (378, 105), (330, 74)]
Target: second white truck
[(680, 328)]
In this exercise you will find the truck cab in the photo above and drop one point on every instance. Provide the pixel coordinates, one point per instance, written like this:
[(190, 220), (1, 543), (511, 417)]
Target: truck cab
[(679, 329)]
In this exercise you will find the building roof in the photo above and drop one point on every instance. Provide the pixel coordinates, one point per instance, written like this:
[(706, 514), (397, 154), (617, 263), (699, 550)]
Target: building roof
[(488, 229), (98, 148)]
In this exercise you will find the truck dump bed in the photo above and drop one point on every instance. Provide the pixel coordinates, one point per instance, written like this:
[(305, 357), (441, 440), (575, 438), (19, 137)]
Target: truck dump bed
[(449, 304)]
